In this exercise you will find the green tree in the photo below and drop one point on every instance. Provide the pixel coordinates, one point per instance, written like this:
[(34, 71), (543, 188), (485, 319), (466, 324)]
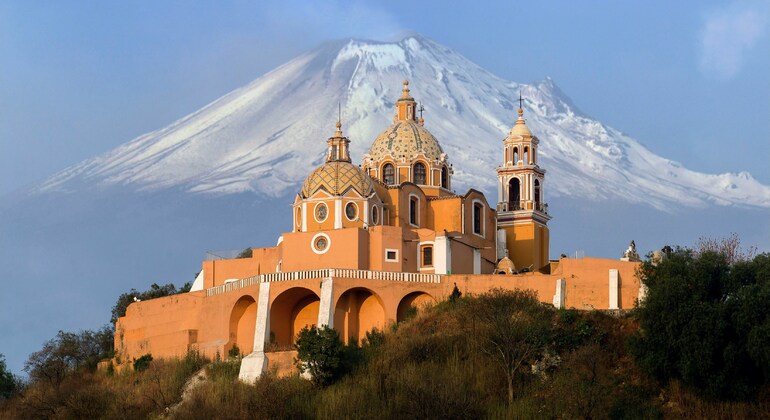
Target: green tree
[(706, 321), (320, 352), (9, 383), (133, 295), (511, 327), (68, 352)]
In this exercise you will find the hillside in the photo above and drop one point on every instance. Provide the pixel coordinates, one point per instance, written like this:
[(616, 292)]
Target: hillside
[(441, 363)]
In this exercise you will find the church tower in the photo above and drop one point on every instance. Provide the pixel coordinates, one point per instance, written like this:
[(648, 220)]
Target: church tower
[(522, 215)]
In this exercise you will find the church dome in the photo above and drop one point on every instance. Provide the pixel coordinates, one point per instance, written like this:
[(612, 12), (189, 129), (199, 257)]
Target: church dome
[(337, 177), (405, 138)]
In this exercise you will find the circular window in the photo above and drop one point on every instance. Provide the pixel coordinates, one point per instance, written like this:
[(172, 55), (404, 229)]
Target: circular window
[(351, 211), (375, 215), (321, 212), (320, 243)]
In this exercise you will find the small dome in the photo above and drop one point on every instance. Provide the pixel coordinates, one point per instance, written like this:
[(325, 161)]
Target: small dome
[(405, 138), (336, 178), (520, 129), (505, 266)]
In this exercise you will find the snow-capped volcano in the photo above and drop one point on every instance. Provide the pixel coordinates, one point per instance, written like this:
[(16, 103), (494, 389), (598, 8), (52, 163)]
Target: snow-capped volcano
[(267, 136)]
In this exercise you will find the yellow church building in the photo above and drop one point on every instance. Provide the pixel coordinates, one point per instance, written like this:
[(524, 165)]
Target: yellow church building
[(370, 242)]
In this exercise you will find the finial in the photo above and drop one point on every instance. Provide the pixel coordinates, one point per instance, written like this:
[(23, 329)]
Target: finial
[(406, 88), (339, 120)]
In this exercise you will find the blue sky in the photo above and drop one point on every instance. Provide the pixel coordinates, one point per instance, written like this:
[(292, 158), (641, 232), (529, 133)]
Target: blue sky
[(691, 80)]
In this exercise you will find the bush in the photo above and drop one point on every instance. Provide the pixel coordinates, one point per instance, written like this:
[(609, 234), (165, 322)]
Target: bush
[(320, 352), (142, 363), (706, 322), (68, 352), (155, 291), (9, 383)]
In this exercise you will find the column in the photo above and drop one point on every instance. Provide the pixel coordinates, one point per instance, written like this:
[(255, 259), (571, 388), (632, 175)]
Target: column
[(558, 297), (614, 289), (442, 255), (255, 364), (326, 307)]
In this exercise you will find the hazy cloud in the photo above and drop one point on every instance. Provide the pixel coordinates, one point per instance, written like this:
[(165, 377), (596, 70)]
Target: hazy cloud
[(728, 35)]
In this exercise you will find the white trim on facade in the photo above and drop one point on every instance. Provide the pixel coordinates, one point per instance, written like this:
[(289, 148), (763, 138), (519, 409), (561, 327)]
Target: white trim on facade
[(395, 259), (328, 243)]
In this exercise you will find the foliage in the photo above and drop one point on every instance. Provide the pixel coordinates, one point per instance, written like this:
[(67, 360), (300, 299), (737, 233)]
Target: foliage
[(706, 321), (246, 253), (155, 291), (143, 362), (730, 247), (456, 294), (9, 383), (512, 327), (234, 352), (320, 352), (68, 352)]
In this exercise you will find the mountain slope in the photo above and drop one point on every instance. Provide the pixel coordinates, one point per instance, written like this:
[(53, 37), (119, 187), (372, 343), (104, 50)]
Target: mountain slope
[(267, 136)]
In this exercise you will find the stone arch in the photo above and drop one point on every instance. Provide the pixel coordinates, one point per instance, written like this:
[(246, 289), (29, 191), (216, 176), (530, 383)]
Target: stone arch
[(417, 300), (357, 311), (243, 320), (292, 310)]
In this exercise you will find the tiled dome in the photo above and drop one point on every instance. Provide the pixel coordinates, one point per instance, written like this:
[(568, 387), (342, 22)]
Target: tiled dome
[(336, 178), (405, 138)]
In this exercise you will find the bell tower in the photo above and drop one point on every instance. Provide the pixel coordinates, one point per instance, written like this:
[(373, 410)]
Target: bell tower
[(522, 214)]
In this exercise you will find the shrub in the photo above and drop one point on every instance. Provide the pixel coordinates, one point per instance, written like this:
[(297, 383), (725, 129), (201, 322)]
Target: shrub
[(320, 352), (155, 291), (9, 383), (142, 362), (706, 322)]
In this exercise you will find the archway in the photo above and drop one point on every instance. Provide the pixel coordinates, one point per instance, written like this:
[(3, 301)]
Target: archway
[(514, 194), (292, 310), (411, 302), (358, 310), (243, 320)]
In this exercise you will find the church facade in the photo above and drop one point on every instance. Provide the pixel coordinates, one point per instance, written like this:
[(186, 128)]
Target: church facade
[(370, 242)]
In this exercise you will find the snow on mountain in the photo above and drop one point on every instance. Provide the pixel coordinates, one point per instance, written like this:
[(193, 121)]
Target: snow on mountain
[(267, 136)]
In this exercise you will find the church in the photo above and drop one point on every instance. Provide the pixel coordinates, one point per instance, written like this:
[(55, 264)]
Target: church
[(369, 243)]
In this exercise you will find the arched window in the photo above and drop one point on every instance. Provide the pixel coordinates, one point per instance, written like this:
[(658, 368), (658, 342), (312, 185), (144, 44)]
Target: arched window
[(526, 155), (514, 194), (478, 211), (537, 194), (515, 155), (413, 211), (419, 173), (388, 174), (444, 177)]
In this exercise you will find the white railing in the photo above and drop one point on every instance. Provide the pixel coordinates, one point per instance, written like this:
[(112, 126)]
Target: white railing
[(324, 273)]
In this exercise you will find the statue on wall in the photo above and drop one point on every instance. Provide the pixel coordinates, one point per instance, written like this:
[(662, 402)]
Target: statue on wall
[(630, 254)]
